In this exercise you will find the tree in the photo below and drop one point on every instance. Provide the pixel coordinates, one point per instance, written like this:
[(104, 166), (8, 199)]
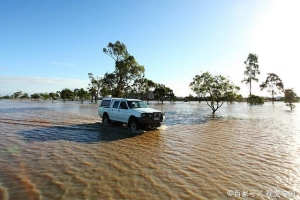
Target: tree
[(24, 96), (52, 95), (94, 86), (273, 84), (127, 70), (82, 95), (255, 100), (66, 94), (45, 95), (195, 86), (190, 98), (290, 97), (162, 92), (35, 96), (251, 70), (17, 94), (57, 94), (214, 89), (141, 88), (75, 92)]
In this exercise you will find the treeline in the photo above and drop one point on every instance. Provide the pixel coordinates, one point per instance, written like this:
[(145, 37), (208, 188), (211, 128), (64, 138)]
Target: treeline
[(128, 80), (216, 90), (65, 94)]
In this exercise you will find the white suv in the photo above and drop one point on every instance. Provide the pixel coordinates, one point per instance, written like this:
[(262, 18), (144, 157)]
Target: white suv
[(133, 112)]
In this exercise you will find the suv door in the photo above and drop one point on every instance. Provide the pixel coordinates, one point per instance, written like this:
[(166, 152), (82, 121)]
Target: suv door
[(113, 113), (123, 112)]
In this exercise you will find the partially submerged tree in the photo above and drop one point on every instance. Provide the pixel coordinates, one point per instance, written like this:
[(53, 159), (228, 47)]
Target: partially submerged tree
[(45, 95), (94, 86), (35, 96), (255, 100), (66, 94), (139, 87), (251, 70), (162, 92), (290, 97), (17, 94), (127, 69), (196, 87), (214, 89), (53, 96), (24, 96), (273, 84), (82, 94)]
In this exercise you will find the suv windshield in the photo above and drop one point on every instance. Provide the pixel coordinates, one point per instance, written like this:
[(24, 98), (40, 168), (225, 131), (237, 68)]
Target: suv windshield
[(137, 104)]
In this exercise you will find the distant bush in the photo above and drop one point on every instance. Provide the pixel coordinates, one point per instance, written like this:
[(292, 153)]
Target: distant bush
[(290, 97), (255, 100)]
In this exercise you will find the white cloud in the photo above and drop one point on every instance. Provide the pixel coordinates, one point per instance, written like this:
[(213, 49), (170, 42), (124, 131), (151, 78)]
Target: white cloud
[(11, 84)]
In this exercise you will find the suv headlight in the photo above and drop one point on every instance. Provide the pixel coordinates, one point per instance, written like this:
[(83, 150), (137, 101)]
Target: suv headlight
[(143, 115)]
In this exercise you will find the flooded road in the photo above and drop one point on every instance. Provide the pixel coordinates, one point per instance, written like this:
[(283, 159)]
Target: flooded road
[(62, 151)]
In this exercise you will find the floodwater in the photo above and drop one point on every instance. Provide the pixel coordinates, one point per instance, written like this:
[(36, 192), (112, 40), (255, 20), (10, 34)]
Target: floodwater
[(62, 151)]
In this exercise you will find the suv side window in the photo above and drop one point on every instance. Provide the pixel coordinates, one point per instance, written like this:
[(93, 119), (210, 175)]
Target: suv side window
[(116, 104), (123, 105), (105, 103)]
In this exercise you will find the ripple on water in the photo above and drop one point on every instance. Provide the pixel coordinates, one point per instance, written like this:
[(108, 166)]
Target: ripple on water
[(62, 151)]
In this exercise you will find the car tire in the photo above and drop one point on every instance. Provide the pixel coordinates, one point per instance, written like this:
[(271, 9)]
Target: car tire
[(105, 119), (133, 125)]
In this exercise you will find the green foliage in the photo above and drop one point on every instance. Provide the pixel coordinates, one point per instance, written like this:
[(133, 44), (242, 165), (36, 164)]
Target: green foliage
[(290, 97), (82, 94), (17, 94), (53, 96), (162, 92), (67, 94), (6, 97), (190, 97), (24, 96), (127, 70), (273, 84), (214, 89), (255, 100), (35, 96), (45, 95), (141, 88), (95, 86), (251, 70)]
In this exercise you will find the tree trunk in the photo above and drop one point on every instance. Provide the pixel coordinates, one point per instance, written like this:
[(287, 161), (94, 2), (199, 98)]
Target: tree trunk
[(250, 87)]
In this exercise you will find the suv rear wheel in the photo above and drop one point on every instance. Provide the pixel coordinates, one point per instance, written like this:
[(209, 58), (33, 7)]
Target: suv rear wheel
[(105, 119)]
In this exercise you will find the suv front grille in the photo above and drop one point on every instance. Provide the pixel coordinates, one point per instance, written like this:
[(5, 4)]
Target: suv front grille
[(153, 115)]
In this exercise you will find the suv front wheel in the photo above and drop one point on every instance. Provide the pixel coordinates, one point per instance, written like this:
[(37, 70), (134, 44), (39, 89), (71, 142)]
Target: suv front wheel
[(133, 124)]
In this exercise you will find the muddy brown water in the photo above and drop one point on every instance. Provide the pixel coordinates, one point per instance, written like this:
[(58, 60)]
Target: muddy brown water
[(62, 151)]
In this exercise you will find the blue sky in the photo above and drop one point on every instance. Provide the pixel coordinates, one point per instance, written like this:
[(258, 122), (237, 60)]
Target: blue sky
[(50, 45)]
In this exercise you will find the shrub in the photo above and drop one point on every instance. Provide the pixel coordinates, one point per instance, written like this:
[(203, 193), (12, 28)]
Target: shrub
[(255, 100)]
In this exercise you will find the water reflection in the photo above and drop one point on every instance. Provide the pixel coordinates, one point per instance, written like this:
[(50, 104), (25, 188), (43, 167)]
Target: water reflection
[(85, 133)]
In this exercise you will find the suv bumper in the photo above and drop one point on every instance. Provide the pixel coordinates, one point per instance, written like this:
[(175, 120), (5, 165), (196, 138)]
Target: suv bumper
[(149, 121)]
